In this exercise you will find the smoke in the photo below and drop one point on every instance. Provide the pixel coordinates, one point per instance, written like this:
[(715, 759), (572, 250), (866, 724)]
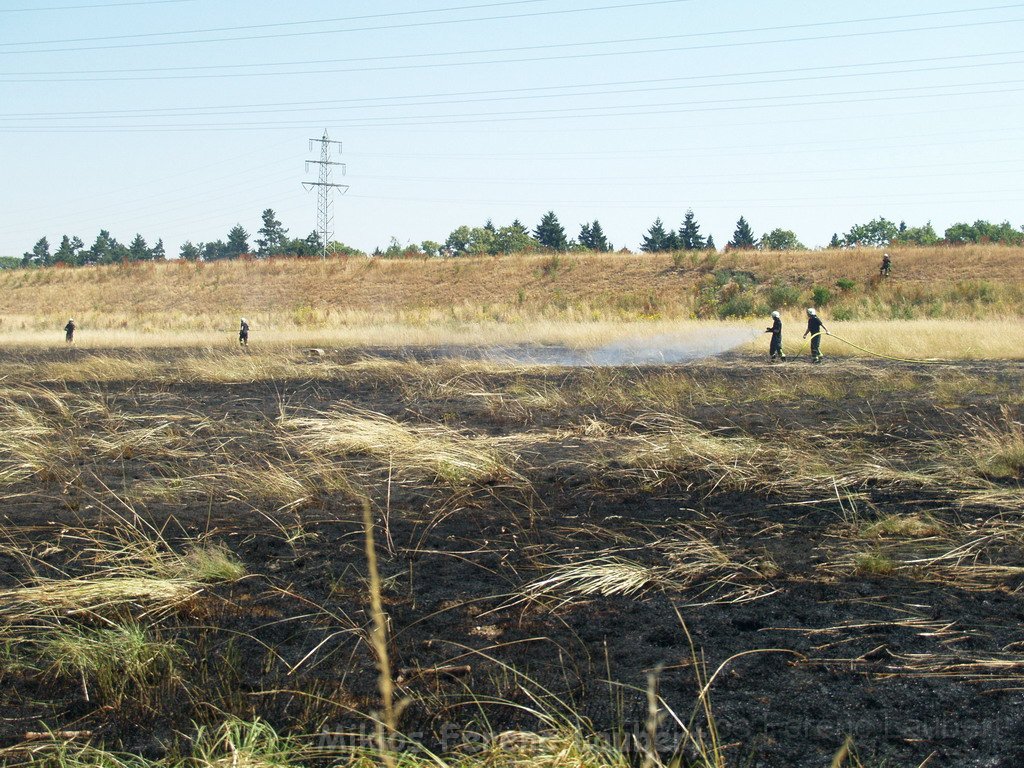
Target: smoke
[(663, 349)]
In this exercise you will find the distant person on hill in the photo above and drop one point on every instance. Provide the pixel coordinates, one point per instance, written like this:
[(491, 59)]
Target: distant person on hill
[(886, 266), (69, 331), (815, 328), (775, 348), (243, 334)]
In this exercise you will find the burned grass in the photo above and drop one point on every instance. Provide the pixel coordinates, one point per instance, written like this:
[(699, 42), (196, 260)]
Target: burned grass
[(748, 560)]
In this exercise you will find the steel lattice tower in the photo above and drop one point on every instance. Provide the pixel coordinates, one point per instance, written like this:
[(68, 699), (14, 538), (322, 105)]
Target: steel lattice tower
[(324, 187)]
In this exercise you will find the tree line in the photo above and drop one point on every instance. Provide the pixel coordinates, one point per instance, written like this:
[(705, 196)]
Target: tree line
[(549, 235)]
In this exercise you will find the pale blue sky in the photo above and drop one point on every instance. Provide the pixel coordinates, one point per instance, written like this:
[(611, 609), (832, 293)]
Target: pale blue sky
[(180, 118)]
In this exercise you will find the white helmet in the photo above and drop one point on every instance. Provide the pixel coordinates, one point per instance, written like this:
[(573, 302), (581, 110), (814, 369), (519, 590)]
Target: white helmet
[(811, 312), (776, 314), (243, 319)]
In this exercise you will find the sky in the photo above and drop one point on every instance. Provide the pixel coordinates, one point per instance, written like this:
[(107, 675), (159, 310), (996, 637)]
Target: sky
[(178, 119)]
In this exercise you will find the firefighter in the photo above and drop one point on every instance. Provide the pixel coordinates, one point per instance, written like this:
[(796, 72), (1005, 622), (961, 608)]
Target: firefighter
[(815, 327), (886, 266), (775, 348), (243, 334), (69, 331)]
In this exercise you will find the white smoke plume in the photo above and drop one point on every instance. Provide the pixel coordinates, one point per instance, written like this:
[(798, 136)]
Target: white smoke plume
[(663, 349)]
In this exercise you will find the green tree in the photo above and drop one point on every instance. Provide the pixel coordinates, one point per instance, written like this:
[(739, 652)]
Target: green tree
[(592, 237), (104, 250), (690, 238), (313, 244), (983, 231), (69, 251), (138, 250), (238, 242), (272, 236), (710, 244), (743, 238), (781, 240), (39, 256), (835, 242), (925, 235), (338, 248), (877, 233), (550, 233), (458, 241), (515, 238), (656, 239), (190, 252), (470, 241), (215, 251), (431, 248), (158, 252)]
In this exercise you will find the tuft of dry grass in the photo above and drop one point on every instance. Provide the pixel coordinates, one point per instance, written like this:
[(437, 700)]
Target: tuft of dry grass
[(420, 452)]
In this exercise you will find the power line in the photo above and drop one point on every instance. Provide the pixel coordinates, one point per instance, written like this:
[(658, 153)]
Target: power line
[(90, 7), (457, 98), (564, 57), (334, 20), (616, 41), (640, 110), (410, 25)]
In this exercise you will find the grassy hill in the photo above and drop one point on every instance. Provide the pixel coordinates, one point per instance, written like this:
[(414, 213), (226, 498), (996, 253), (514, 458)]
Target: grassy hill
[(971, 281), (517, 297)]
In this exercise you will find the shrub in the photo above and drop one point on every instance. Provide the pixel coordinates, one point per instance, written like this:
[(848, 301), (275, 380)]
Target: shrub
[(846, 284), (821, 296), (738, 305), (782, 295)]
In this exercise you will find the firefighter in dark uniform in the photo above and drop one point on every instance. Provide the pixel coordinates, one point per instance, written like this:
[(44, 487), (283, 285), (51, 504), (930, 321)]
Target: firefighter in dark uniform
[(69, 331), (775, 348), (243, 334), (815, 327), (886, 266)]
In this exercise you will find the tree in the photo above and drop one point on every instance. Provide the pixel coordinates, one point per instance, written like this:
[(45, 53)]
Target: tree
[(925, 235), (272, 236), (313, 244), (835, 242), (158, 253), (984, 232), (710, 245), (515, 238), (743, 238), (431, 248), (593, 239), (215, 251), (68, 252), (656, 239), (138, 250), (690, 238), (469, 241), (190, 252), (105, 250), (781, 240), (39, 256), (238, 242), (550, 233), (877, 233)]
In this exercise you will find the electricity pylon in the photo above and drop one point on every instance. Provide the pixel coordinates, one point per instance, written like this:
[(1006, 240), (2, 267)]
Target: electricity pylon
[(325, 203)]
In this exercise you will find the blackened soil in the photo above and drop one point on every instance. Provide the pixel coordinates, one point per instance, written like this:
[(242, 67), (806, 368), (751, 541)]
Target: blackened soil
[(805, 649)]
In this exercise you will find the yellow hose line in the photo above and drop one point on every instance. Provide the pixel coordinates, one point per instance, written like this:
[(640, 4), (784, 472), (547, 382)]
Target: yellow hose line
[(929, 360)]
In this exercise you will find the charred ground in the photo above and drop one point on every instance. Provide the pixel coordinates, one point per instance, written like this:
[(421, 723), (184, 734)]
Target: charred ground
[(845, 539)]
